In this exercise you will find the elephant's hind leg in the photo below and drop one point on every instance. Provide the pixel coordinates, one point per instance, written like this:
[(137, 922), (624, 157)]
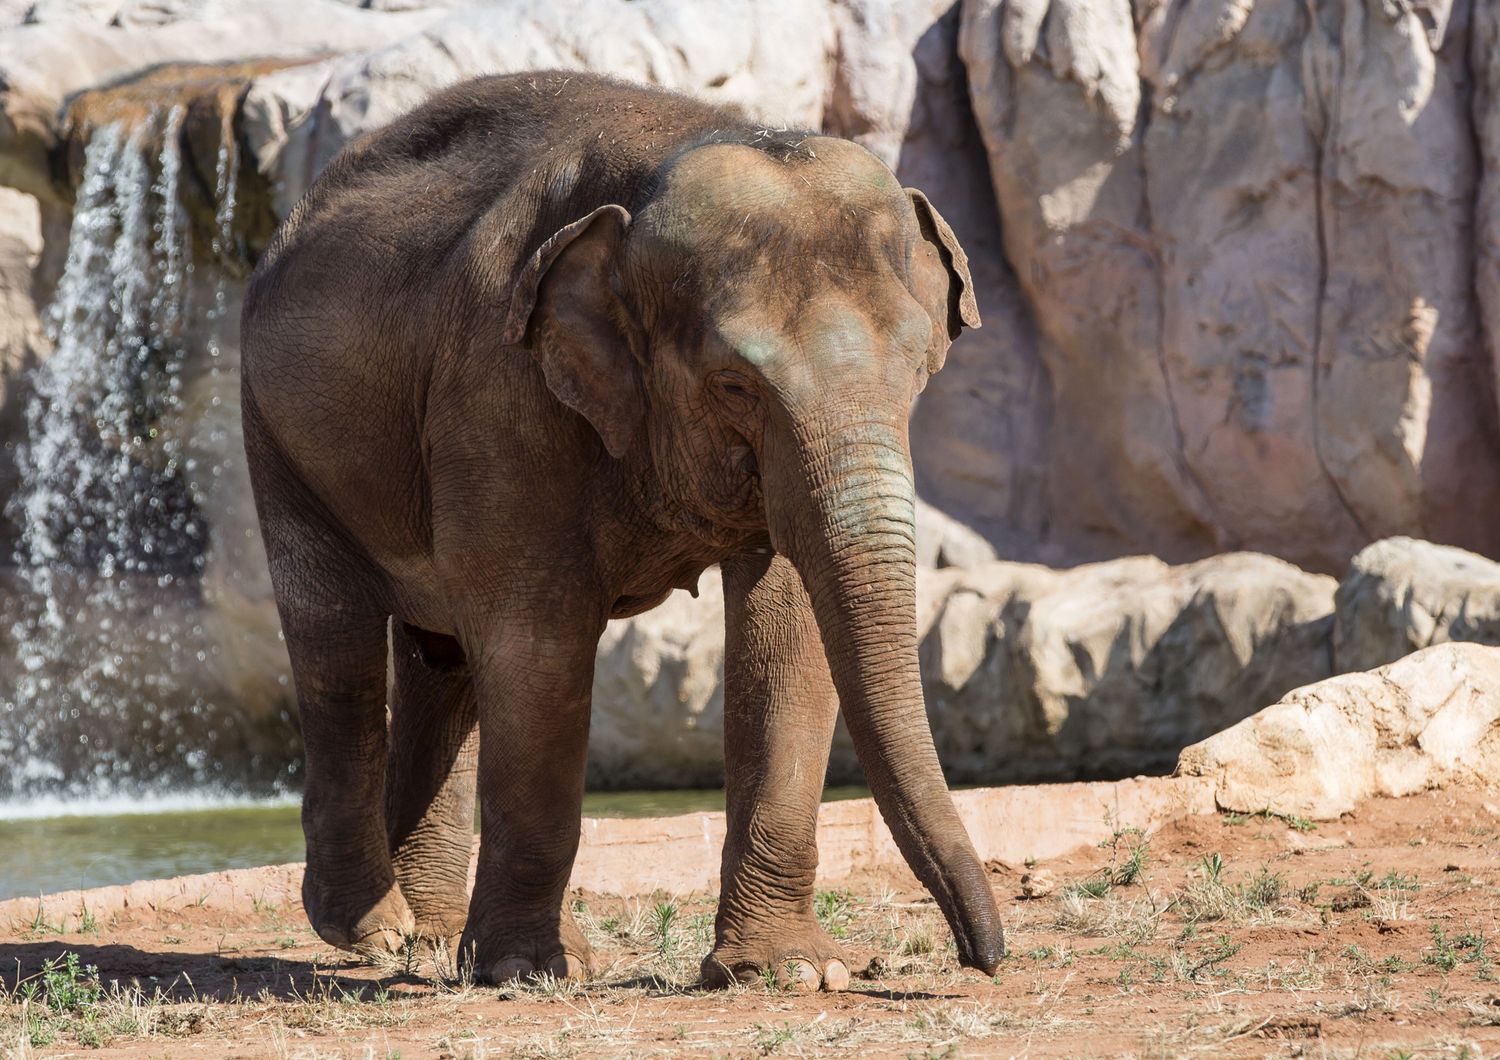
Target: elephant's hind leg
[(779, 711), (335, 630), (429, 782)]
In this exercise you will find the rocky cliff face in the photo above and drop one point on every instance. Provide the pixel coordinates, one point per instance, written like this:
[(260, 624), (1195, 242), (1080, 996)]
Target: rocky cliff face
[(1246, 233)]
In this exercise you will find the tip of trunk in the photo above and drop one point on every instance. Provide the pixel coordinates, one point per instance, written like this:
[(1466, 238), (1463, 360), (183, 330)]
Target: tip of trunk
[(984, 953)]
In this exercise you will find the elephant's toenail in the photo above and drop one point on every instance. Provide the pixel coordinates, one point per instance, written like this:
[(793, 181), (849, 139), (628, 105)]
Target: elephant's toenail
[(714, 973), (836, 976), (379, 943), (798, 974), (567, 966), (511, 969)]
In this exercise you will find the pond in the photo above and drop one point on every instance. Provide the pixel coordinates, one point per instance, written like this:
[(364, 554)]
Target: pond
[(52, 847)]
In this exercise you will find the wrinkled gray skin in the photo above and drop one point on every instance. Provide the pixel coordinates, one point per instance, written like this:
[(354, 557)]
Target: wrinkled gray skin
[(528, 359)]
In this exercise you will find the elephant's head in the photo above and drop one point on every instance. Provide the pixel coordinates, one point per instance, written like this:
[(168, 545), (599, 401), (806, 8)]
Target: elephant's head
[(763, 323)]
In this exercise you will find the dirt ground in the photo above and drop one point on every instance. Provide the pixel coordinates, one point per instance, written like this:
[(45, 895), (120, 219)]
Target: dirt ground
[(1374, 936)]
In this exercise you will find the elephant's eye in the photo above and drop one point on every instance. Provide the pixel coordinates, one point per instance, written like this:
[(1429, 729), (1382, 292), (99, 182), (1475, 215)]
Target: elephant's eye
[(732, 392)]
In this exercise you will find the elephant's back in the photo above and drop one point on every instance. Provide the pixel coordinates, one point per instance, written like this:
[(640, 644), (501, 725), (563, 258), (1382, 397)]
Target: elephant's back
[(459, 191)]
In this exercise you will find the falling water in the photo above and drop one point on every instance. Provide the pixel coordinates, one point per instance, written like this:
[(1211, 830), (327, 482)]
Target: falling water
[(114, 478)]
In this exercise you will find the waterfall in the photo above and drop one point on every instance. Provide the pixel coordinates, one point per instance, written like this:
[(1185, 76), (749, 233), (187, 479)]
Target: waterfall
[(131, 429)]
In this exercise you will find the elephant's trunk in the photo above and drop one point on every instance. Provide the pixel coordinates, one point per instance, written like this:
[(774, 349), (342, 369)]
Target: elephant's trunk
[(841, 507)]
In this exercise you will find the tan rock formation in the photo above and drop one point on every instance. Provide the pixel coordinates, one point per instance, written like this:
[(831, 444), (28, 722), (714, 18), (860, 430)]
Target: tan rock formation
[(1109, 669), (1244, 232), (44, 62), (1430, 720), (1402, 595), (22, 340), (1030, 674)]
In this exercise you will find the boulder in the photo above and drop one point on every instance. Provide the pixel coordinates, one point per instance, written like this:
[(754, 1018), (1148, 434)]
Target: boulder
[(22, 340), (943, 541), (1403, 595), (1429, 720), (658, 717)]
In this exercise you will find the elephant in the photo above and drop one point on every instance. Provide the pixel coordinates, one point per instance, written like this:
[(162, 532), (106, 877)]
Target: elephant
[(525, 360)]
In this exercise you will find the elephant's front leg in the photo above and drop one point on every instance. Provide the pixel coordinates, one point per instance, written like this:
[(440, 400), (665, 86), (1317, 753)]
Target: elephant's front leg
[(534, 689), (779, 712)]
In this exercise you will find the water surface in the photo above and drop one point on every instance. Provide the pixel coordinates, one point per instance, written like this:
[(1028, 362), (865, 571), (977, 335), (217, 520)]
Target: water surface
[(52, 847)]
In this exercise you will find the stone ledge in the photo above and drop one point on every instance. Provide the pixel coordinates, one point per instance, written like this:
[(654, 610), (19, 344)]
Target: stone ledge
[(681, 854)]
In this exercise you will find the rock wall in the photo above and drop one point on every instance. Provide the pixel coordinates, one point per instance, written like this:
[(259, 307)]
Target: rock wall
[(1030, 674), (1105, 670), (1245, 230)]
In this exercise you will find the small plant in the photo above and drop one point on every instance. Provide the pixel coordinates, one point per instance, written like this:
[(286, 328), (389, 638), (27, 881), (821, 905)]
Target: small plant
[(1128, 848), (1469, 948), (1445, 955), (769, 1040), (1096, 886), (1207, 896), (834, 912), (1393, 881), (1134, 865), (68, 985), (1476, 944), (1264, 890), (39, 924), (1291, 820), (411, 953), (663, 918), (702, 929), (919, 943), (1222, 949)]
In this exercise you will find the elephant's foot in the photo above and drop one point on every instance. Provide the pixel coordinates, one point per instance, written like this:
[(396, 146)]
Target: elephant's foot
[(803, 957), (440, 917), (504, 955), (373, 925), (443, 929)]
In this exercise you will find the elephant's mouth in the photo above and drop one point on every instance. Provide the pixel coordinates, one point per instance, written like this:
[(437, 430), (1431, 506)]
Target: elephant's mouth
[(629, 606)]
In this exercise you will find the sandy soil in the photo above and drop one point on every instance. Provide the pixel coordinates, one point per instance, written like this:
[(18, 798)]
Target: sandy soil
[(1374, 936)]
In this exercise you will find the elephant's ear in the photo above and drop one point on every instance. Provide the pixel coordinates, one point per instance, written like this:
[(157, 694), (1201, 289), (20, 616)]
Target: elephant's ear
[(565, 307), (940, 280)]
